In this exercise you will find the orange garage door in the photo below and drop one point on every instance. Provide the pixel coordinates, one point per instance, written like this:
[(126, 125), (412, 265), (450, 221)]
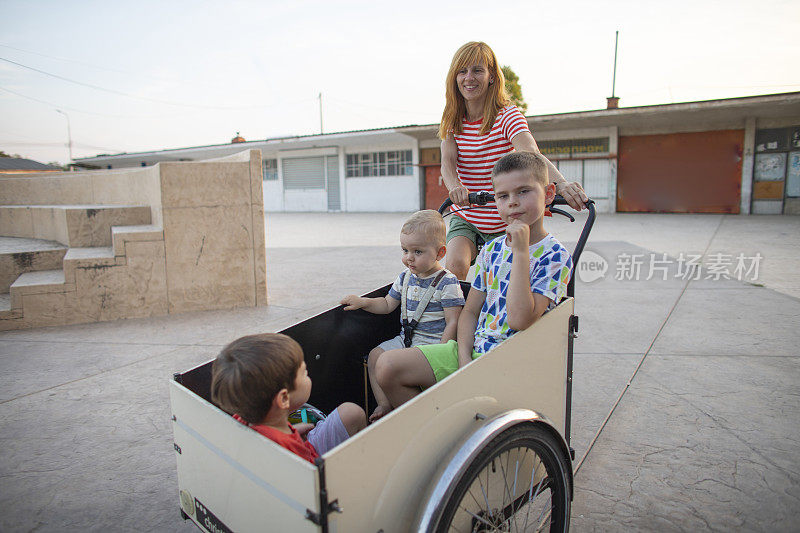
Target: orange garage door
[(680, 172)]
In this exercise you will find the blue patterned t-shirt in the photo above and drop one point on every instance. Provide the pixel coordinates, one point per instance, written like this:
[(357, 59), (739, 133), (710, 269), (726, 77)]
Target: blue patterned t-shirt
[(550, 267)]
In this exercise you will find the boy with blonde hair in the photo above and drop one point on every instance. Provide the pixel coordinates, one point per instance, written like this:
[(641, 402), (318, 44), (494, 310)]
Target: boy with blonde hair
[(430, 297), (518, 277), (261, 379)]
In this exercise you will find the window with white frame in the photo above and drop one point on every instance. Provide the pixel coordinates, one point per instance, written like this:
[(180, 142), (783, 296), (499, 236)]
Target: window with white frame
[(393, 163), (269, 169)]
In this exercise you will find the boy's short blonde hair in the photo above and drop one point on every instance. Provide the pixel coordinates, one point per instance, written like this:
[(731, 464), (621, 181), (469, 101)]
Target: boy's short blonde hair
[(249, 372), (430, 223), (531, 162)]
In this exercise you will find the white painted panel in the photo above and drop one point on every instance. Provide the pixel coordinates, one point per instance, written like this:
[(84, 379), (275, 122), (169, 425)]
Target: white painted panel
[(273, 196), (305, 200), (332, 181), (767, 207), (383, 194), (596, 177), (793, 175), (571, 170), (604, 205)]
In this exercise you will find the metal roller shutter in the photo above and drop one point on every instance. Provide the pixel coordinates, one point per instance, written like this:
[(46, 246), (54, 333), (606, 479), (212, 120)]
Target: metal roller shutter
[(304, 173), (696, 172)]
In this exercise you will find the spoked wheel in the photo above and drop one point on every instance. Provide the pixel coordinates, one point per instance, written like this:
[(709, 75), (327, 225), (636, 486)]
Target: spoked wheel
[(518, 482)]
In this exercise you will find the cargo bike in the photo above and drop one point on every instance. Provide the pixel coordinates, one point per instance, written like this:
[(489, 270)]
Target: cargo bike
[(486, 449)]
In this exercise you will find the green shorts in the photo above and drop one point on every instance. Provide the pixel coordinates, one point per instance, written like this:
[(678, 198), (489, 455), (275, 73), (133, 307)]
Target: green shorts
[(460, 227), (443, 358)]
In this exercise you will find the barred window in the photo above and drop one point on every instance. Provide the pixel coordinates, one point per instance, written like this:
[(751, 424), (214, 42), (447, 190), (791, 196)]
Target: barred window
[(395, 163), (269, 169)]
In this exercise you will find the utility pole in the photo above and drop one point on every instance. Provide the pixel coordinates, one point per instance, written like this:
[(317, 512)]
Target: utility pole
[(613, 100), (69, 136), (614, 79), (320, 113)]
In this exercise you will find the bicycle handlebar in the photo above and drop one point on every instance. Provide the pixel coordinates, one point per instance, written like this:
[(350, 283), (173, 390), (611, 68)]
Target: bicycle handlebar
[(483, 197), (476, 198)]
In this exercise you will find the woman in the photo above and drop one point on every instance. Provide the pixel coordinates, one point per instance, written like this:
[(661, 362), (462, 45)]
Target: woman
[(480, 125)]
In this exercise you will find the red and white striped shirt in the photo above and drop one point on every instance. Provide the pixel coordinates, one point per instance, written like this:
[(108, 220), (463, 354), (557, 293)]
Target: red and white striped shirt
[(477, 155)]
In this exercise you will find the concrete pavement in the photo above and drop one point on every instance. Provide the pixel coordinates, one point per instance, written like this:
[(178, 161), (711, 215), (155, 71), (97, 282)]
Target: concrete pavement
[(705, 437)]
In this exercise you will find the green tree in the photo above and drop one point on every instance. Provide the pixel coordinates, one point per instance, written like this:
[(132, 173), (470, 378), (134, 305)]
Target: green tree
[(513, 89)]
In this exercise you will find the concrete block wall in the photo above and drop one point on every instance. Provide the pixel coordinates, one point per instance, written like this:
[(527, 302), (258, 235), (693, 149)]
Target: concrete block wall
[(214, 233)]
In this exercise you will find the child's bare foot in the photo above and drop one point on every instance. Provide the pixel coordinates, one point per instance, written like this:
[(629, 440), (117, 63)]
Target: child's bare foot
[(379, 412)]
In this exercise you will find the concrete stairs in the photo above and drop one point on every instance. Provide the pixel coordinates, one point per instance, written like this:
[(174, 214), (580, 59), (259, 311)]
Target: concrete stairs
[(19, 255), (70, 225), (52, 256)]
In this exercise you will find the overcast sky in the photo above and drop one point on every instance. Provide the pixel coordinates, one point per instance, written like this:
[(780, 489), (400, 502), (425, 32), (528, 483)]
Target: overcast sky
[(140, 75)]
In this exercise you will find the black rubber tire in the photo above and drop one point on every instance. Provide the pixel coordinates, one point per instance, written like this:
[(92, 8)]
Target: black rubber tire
[(516, 441)]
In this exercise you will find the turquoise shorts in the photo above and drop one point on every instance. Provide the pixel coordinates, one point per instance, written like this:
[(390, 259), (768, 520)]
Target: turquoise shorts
[(443, 358)]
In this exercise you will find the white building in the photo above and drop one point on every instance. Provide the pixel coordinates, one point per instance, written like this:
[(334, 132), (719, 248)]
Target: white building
[(374, 170), (736, 155)]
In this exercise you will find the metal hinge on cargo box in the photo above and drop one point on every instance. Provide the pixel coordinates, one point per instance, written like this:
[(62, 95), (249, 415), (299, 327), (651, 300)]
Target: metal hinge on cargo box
[(573, 326), (326, 508), (315, 517)]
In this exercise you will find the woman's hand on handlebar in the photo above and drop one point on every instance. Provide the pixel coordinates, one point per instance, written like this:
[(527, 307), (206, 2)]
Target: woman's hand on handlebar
[(573, 193), (459, 195)]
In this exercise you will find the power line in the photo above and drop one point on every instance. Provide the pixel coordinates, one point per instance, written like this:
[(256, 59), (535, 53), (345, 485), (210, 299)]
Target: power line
[(60, 145), (84, 111), (128, 95), (48, 145), (90, 65), (381, 108)]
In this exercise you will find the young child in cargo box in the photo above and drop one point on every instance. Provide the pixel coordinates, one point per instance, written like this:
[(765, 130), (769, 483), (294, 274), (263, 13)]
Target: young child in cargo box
[(429, 295), (261, 379), (519, 275)]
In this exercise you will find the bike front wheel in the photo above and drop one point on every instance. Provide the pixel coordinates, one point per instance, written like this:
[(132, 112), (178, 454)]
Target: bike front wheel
[(518, 482)]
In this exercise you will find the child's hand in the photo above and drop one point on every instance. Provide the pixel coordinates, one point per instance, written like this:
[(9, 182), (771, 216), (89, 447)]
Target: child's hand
[(303, 428), (352, 302), (519, 235)]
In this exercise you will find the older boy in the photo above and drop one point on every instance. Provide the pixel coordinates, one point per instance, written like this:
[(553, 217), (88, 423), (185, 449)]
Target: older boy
[(519, 275), (261, 379), (430, 297)]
